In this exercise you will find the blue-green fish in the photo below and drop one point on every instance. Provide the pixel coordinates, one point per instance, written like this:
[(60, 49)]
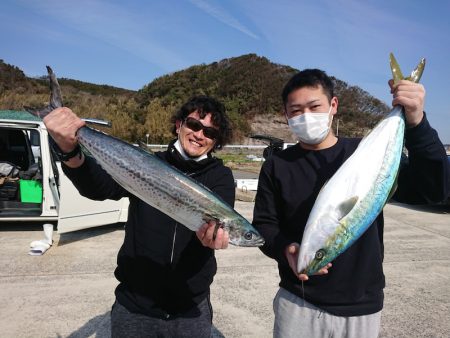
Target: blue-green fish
[(157, 183), (351, 200)]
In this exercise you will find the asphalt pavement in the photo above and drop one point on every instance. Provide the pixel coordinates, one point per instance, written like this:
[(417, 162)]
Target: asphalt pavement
[(68, 292)]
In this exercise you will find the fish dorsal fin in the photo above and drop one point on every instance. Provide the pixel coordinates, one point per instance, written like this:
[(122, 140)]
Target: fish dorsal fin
[(345, 207), (144, 147)]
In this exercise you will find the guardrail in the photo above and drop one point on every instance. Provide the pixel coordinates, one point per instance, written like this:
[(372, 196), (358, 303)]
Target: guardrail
[(237, 146)]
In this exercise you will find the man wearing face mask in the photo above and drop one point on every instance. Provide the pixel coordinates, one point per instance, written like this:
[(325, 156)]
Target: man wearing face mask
[(163, 268), (343, 300)]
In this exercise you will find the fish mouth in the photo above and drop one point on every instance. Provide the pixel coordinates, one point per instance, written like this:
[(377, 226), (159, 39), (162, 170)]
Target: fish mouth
[(259, 242)]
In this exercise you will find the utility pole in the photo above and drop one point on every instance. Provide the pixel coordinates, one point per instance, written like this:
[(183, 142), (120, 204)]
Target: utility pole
[(147, 135)]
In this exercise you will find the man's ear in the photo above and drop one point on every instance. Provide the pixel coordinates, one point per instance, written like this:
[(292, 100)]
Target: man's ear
[(334, 105), (177, 125)]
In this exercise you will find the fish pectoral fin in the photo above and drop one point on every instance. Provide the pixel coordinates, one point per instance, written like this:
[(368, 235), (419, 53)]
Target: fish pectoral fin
[(209, 218), (345, 207), (219, 224)]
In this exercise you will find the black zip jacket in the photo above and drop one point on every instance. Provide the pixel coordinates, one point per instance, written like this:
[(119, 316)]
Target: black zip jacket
[(289, 183), (162, 267)]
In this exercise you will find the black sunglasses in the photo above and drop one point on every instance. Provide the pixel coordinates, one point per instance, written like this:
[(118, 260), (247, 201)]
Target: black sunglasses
[(196, 125)]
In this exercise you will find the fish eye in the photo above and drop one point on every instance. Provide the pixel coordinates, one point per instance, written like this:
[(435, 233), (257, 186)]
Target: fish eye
[(320, 254), (248, 235)]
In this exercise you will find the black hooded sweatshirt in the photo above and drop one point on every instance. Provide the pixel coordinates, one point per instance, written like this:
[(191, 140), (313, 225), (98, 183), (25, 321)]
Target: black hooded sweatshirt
[(162, 267), (289, 183)]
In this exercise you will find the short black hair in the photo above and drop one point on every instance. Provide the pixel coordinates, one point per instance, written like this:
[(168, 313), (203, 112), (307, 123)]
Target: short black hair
[(206, 105), (309, 78)]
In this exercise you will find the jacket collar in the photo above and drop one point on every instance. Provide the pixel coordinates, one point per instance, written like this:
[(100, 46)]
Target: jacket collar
[(188, 166)]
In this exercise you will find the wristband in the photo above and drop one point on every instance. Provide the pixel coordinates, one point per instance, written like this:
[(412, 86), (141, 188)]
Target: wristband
[(67, 156)]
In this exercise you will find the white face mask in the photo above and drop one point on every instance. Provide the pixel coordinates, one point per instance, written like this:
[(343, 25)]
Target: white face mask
[(311, 128)]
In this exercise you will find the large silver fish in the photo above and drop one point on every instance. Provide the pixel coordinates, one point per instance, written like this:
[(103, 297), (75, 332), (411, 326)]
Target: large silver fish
[(157, 183), (351, 200)]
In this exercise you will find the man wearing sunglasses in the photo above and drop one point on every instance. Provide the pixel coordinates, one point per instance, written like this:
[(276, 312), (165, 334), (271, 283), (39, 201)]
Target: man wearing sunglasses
[(163, 268)]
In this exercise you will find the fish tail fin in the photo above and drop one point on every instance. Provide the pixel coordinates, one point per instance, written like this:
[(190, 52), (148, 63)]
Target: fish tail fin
[(55, 97), (397, 75), (416, 74)]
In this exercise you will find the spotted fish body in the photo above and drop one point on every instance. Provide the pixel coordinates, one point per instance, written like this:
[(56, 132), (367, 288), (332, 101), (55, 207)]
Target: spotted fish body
[(157, 183), (164, 187), (352, 199)]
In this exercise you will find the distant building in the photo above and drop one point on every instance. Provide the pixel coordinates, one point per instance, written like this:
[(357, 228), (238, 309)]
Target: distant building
[(447, 148)]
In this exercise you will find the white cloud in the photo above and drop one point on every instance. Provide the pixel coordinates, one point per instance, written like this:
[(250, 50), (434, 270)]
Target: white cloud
[(221, 15)]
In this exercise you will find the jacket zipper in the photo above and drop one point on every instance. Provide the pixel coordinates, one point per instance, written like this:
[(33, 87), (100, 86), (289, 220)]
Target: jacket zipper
[(176, 224), (173, 243)]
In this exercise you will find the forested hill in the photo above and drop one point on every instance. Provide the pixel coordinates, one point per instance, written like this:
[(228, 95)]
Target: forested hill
[(248, 85)]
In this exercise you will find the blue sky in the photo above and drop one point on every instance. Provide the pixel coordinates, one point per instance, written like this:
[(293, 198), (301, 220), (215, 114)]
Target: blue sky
[(130, 43)]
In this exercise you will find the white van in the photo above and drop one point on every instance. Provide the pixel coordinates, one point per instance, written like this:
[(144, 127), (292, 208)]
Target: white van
[(45, 194)]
